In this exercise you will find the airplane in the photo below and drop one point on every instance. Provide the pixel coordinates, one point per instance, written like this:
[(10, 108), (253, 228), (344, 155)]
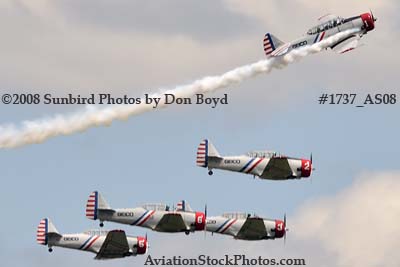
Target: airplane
[(105, 244), (243, 226), (329, 26), (264, 164), (157, 217)]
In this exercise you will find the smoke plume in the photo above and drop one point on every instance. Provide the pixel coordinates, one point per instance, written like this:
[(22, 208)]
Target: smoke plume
[(38, 131)]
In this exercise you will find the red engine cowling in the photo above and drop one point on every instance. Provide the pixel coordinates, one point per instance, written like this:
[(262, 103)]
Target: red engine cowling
[(280, 229), (368, 21), (306, 168), (200, 221), (141, 245)]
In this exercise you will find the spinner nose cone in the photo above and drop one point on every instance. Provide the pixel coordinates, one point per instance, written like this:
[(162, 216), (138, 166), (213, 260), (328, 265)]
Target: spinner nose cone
[(280, 228), (306, 168), (369, 21), (142, 245)]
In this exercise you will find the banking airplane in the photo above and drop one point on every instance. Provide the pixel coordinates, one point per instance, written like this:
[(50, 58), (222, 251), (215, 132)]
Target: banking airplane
[(157, 217), (329, 26), (105, 244), (264, 164), (246, 227)]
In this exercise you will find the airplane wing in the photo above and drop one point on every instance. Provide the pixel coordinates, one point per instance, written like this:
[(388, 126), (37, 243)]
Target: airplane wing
[(115, 246), (252, 229), (171, 222), (347, 45), (277, 168)]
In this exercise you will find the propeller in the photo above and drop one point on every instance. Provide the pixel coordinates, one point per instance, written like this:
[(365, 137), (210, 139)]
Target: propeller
[(205, 221), (313, 169), (147, 244), (311, 161), (373, 17), (286, 229)]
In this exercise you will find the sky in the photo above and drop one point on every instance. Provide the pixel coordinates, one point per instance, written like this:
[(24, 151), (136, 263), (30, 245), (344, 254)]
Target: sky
[(346, 215)]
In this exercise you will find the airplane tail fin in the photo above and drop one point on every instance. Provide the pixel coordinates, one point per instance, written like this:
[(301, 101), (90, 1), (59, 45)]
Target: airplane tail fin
[(94, 204), (271, 43), (205, 150), (45, 230), (183, 206)]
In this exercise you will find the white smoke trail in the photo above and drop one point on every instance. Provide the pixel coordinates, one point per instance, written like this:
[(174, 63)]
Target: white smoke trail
[(38, 131)]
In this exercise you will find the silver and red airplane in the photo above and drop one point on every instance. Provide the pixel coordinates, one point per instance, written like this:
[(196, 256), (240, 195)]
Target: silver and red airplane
[(246, 227), (105, 244), (264, 164), (329, 26), (157, 217)]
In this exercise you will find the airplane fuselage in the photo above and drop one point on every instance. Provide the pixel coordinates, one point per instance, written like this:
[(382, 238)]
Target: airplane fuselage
[(359, 24), (256, 166), (151, 219), (87, 242), (234, 227)]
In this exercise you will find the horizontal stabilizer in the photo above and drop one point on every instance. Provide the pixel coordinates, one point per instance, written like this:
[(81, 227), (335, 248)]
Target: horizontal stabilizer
[(96, 203), (204, 151), (45, 229)]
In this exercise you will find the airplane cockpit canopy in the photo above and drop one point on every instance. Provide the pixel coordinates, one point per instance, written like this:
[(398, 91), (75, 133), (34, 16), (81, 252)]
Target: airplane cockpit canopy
[(334, 22), (236, 215), (96, 232), (156, 206), (262, 154)]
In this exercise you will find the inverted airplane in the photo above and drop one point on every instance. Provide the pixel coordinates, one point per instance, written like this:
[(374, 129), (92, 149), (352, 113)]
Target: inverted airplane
[(105, 244), (246, 227), (329, 26), (264, 164), (157, 217)]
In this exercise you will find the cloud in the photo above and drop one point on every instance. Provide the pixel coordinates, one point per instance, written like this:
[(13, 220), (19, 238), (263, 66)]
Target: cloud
[(357, 226), (173, 17), (360, 225), (53, 46)]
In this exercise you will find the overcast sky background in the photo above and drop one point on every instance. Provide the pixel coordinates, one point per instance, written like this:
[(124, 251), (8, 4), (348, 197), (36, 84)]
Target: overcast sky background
[(347, 216)]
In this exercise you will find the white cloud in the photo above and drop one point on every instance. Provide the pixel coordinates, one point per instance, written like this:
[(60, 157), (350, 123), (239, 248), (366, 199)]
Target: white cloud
[(360, 225)]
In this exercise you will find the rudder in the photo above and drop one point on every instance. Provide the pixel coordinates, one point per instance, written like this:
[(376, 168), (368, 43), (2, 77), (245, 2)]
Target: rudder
[(271, 43), (202, 154), (204, 151), (41, 232), (44, 229), (95, 203)]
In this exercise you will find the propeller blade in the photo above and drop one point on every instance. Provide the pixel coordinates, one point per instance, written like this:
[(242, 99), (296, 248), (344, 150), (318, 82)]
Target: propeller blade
[(148, 245), (205, 221), (284, 222), (373, 17)]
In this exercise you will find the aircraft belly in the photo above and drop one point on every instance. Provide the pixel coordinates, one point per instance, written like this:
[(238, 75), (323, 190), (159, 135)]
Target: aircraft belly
[(81, 242), (171, 223), (235, 228), (253, 229), (270, 176), (277, 169), (153, 220), (260, 167)]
